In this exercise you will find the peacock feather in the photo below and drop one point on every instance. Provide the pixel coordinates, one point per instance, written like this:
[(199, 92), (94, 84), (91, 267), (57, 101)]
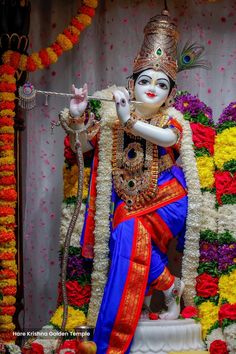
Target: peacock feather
[(191, 56)]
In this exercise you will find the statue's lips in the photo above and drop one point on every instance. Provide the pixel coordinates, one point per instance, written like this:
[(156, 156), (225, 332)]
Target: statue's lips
[(150, 94)]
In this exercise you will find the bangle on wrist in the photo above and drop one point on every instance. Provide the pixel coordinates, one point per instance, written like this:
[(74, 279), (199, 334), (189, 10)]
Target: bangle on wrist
[(129, 124)]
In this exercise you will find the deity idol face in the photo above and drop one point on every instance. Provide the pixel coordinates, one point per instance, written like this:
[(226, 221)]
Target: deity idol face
[(152, 88)]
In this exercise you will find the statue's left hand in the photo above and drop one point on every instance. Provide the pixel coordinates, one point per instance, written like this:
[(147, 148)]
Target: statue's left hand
[(122, 100)]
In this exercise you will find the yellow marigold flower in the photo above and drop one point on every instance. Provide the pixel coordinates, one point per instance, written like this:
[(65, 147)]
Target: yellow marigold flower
[(7, 282), (8, 301), (208, 313), (227, 288), (6, 246), (37, 60), (6, 130), (22, 62), (9, 204), (225, 147), (7, 112), (7, 327), (9, 265), (75, 318), (70, 181), (74, 30), (7, 219), (205, 166), (7, 96), (6, 57), (52, 55), (10, 250), (84, 19), (7, 160), (7, 153), (8, 78), (91, 3), (5, 319), (64, 42)]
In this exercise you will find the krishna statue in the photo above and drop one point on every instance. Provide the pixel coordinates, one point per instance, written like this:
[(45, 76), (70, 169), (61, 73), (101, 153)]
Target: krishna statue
[(139, 194)]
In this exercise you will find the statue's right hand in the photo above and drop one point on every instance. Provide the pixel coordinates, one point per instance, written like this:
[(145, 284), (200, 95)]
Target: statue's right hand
[(79, 101)]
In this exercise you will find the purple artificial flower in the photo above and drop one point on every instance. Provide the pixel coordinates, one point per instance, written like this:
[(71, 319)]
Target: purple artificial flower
[(228, 114), (227, 256), (187, 103), (77, 266), (208, 251)]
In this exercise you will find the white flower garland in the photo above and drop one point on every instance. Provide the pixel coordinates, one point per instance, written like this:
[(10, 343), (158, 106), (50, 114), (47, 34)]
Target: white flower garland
[(66, 215), (13, 348), (216, 334), (190, 260), (102, 223), (209, 212), (230, 337), (227, 219)]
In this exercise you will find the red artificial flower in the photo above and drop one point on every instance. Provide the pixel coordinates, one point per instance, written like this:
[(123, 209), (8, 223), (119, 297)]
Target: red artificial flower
[(225, 183), (9, 290), (153, 316), (72, 345), (36, 348), (218, 347), (72, 37), (7, 69), (78, 295), (7, 105), (80, 26), (57, 49), (7, 87), (69, 154), (7, 180), (30, 65), (8, 310), (8, 194), (189, 312), (43, 54), (227, 311), (14, 60), (87, 11), (6, 121), (206, 285), (5, 210), (203, 137)]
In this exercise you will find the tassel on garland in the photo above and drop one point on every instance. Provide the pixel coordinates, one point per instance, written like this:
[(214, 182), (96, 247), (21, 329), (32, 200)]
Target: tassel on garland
[(27, 96)]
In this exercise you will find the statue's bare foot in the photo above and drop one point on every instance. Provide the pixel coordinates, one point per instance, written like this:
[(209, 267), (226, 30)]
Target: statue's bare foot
[(173, 296)]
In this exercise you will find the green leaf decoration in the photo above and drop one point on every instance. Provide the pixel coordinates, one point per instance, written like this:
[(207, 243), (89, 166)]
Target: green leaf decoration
[(226, 125), (228, 199), (208, 267), (201, 152), (209, 236), (230, 166)]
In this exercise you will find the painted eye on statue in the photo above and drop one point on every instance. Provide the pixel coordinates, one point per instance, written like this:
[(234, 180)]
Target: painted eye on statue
[(144, 82), (163, 85)]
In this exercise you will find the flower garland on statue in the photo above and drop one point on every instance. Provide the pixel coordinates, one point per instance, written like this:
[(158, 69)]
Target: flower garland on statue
[(12, 61)]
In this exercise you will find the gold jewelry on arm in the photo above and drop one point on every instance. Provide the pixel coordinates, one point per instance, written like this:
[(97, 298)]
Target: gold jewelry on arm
[(78, 119), (128, 125)]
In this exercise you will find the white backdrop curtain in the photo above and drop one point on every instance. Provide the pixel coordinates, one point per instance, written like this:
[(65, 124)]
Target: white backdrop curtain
[(103, 57)]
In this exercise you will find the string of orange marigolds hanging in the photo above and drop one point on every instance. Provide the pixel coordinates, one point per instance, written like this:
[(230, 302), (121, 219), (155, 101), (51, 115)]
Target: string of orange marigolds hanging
[(13, 61)]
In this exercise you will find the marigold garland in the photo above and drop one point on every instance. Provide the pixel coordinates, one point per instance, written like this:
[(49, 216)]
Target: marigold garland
[(75, 318)]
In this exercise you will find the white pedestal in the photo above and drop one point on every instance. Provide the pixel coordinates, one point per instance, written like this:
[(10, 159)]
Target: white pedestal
[(163, 337)]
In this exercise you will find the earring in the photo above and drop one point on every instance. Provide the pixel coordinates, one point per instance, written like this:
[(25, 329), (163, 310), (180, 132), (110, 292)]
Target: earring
[(171, 98), (131, 88)]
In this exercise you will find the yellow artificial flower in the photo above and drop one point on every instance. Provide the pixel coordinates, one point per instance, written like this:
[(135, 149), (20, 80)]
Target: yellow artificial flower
[(37, 60), (9, 265), (5, 220), (6, 130), (205, 166), (8, 301), (7, 112), (7, 282), (7, 327), (52, 55), (23, 62), (5, 319), (75, 318), (6, 57), (84, 19), (8, 78), (91, 3), (227, 288), (7, 160), (208, 313), (6, 96), (225, 147), (64, 42), (74, 30)]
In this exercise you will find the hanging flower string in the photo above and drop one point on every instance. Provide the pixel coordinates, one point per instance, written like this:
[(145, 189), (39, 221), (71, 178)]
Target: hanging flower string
[(8, 272), (64, 41), (13, 61)]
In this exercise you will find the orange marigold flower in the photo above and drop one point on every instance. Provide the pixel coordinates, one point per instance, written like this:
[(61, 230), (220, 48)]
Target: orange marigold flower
[(4, 211), (87, 11), (8, 194), (7, 336), (9, 290), (8, 310), (31, 65), (6, 87), (7, 256), (6, 236), (7, 105), (7, 274), (7, 69), (7, 180), (6, 121), (7, 167), (43, 54)]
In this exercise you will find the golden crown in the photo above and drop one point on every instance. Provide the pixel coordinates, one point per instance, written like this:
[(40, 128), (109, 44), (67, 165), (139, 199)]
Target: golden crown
[(159, 48)]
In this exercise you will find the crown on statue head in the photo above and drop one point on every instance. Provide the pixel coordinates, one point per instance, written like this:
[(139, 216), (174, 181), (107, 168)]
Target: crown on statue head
[(159, 48)]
